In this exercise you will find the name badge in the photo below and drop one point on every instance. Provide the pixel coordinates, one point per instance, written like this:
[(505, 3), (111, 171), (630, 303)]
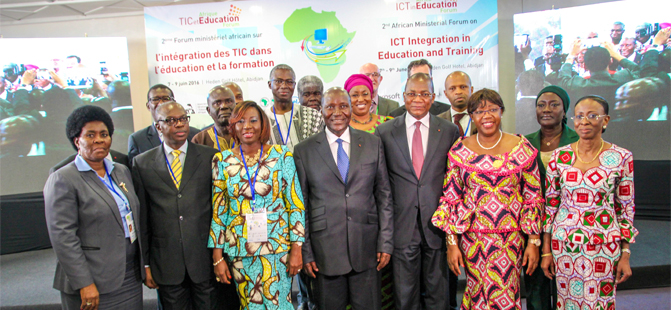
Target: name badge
[(257, 226), (131, 227)]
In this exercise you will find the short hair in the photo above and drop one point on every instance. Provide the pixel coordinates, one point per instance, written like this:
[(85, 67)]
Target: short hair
[(157, 86), (237, 114), (82, 116), (335, 90), (600, 100), (217, 87), (420, 75), (479, 98), (79, 60), (597, 58), (619, 24), (119, 90), (281, 67), (309, 80), (419, 62), (167, 103)]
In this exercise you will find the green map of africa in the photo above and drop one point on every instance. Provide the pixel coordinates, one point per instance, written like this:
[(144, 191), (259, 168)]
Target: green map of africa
[(302, 24)]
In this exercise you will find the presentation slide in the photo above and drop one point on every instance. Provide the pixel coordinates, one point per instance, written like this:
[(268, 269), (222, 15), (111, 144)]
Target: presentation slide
[(43, 80), (637, 88), (192, 48)]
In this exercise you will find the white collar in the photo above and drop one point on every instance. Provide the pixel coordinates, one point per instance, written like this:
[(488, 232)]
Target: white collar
[(168, 149), (411, 120), (331, 137), (454, 112)]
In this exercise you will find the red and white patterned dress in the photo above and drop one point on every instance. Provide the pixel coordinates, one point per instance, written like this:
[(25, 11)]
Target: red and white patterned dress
[(588, 214), (491, 200)]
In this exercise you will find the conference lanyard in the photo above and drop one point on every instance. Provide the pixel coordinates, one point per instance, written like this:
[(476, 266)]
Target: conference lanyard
[(280, 129), (216, 137), (111, 187), (170, 168), (249, 179), (467, 127)]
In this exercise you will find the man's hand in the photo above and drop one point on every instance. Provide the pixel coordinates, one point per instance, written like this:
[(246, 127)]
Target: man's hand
[(310, 269), (612, 50), (382, 260), (149, 280), (575, 48), (90, 297), (662, 36), (455, 259), (29, 77), (57, 79)]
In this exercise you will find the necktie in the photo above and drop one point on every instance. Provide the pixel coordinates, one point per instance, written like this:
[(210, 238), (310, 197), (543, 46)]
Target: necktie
[(417, 150), (343, 161), (457, 120), (176, 167)]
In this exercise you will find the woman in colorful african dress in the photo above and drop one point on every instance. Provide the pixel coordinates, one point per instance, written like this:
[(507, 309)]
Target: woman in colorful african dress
[(258, 216), (491, 199), (589, 213), (360, 89)]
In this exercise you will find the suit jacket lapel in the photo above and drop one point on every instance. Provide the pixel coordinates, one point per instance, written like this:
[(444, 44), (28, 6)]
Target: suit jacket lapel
[(298, 122), (161, 168), (356, 142), (97, 185), (118, 179), (152, 136), (192, 162), (325, 152), (432, 142), (401, 138)]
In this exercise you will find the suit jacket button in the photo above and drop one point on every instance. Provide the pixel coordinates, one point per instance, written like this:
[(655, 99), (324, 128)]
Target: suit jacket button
[(349, 218), (179, 195), (347, 195), (181, 218)]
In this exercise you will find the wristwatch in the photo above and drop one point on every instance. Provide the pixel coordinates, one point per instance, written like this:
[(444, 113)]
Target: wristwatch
[(535, 241)]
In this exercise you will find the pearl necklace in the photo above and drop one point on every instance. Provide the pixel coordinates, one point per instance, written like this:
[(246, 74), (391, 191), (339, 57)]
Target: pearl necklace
[(477, 138)]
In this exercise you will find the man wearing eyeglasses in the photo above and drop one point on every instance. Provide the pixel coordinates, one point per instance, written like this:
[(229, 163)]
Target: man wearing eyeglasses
[(380, 106), (148, 138), (415, 146), (290, 123), (173, 182), (422, 66), (616, 33)]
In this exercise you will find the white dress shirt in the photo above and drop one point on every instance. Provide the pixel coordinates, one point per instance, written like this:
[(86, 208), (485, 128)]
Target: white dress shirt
[(410, 130), (331, 138), (464, 121)]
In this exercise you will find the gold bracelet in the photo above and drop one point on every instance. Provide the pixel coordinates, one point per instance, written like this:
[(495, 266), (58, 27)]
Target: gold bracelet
[(628, 251), (546, 254), (451, 240), (219, 261)]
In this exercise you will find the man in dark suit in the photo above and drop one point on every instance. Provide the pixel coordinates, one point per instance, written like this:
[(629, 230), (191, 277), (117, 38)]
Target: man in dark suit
[(415, 147), (422, 66), (117, 157), (148, 138), (174, 185), (343, 175), (380, 106), (458, 89)]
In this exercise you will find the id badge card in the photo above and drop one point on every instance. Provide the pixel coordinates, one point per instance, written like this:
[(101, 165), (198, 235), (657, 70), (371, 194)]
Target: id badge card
[(257, 226), (131, 227)]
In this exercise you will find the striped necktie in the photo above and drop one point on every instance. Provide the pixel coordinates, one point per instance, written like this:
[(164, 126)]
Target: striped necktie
[(176, 167)]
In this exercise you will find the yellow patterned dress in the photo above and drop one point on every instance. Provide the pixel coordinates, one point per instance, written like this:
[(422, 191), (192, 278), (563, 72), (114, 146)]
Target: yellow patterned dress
[(259, 268), (491, 200)]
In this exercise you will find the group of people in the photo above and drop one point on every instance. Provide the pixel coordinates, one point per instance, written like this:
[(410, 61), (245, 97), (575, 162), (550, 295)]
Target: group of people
[(349, 190)]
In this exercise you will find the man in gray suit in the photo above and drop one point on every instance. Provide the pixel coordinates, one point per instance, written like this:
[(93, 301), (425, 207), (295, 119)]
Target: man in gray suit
[(380, 106), (148, 138), (174, 185), (416, 146), (458, 89), (343, 175)]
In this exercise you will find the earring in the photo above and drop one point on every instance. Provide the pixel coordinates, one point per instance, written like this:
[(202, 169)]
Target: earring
[(604, 127)]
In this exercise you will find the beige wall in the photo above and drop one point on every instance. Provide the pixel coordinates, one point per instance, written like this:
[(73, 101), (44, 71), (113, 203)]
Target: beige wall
[(132, 28)]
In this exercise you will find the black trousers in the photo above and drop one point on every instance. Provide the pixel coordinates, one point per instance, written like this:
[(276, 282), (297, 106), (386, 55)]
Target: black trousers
[(420, 269), (360, 289), (188, 295)]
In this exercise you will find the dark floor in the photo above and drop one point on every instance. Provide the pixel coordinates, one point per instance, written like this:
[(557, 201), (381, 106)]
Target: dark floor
[(26, 278)]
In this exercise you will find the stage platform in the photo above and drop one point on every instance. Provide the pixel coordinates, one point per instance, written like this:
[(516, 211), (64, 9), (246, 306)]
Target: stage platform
[(26, 278)]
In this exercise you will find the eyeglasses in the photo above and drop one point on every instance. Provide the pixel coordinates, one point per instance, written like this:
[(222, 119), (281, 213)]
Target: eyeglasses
[(481, 113), (374, 74), (174, 121), (422, 95), (156, 100), (617, 30), (590, 117), (285, 82)]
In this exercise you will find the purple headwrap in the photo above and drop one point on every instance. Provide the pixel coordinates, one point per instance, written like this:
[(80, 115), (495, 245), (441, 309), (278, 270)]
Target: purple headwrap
[(358, 79)]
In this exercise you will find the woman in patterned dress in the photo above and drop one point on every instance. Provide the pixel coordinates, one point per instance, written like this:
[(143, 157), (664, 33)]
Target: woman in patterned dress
[(258, 216), (589, 213), (360, 89), (491, 197)]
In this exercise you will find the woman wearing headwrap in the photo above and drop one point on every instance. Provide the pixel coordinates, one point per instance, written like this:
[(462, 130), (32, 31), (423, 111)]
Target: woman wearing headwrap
[(552, 105), (360, 89)]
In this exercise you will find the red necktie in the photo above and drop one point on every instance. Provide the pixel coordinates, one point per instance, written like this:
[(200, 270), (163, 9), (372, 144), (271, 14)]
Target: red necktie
[(417, 150), (457, 120)]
